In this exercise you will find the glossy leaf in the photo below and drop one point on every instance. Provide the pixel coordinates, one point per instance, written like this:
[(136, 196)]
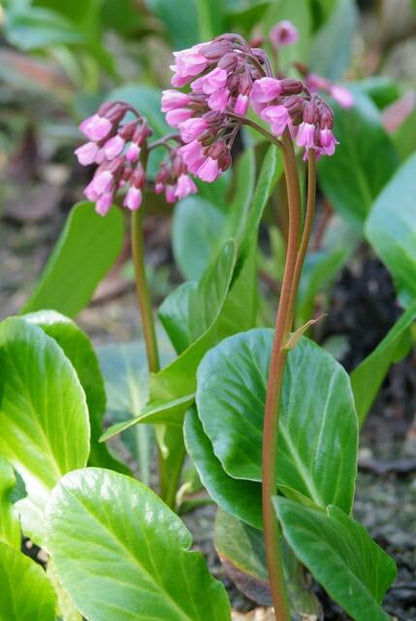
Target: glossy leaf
[(201, 227), (173, 314), (26, 593), (363, 163), (43, 410), (367, 378), (243, 555), (391, 228), (9, 523), (356, 572), (162, 413), (205, 303), (318, 424), (125, 374), (132, 560), (196, 235), (332, 44), (78, 349), (239, 498), (242, 552), (85, 251)]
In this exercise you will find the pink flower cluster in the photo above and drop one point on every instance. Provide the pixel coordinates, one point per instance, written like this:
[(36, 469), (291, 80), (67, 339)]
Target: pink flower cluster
[(221, 74), (116, 149), (288, 105), (173, 178), (225, 76)]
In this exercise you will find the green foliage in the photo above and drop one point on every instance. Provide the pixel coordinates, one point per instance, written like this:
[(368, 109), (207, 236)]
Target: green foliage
[(85, 251), (9, 523), (132, 558), (317, 423), (43, 406), (363, 163), (391, 229), (367, 378), (238, 497), (26, 593), (332, 44), (356, 572), (78, 349)]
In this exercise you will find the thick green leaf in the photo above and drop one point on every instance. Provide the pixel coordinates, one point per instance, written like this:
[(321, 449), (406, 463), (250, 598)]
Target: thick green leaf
[(201, 227), (270, 172), (332, 44), (241, 499), (26, 593), (163, 413), (318, 424), (341, 556), (205, 305), (242, 552), (125, 374), (43, 410), (132, 560), (77, 347), (85, 251), (66, 608), (196, 235), (363, 162), (9, 523), (173, 314), (391, 228), (367, 378)]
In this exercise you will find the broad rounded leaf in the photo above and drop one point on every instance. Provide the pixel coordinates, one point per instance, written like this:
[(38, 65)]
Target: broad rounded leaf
[(77, 347), (341, 555), (26, 593), (242, 499), (9, 523), (85, 251), (43, 410), (318, 424), (391, 228), (132, 561)]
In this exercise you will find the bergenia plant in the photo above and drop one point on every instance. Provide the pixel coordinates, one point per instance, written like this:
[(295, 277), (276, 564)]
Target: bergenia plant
[(267, 417)]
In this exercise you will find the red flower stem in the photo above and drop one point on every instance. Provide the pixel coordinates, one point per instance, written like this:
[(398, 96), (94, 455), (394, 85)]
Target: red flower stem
[(284, 322), (306, 234)]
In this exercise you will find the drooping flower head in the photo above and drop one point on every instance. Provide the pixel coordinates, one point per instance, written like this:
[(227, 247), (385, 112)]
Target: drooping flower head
[(225, 76), (115, 148), (173, 178)]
